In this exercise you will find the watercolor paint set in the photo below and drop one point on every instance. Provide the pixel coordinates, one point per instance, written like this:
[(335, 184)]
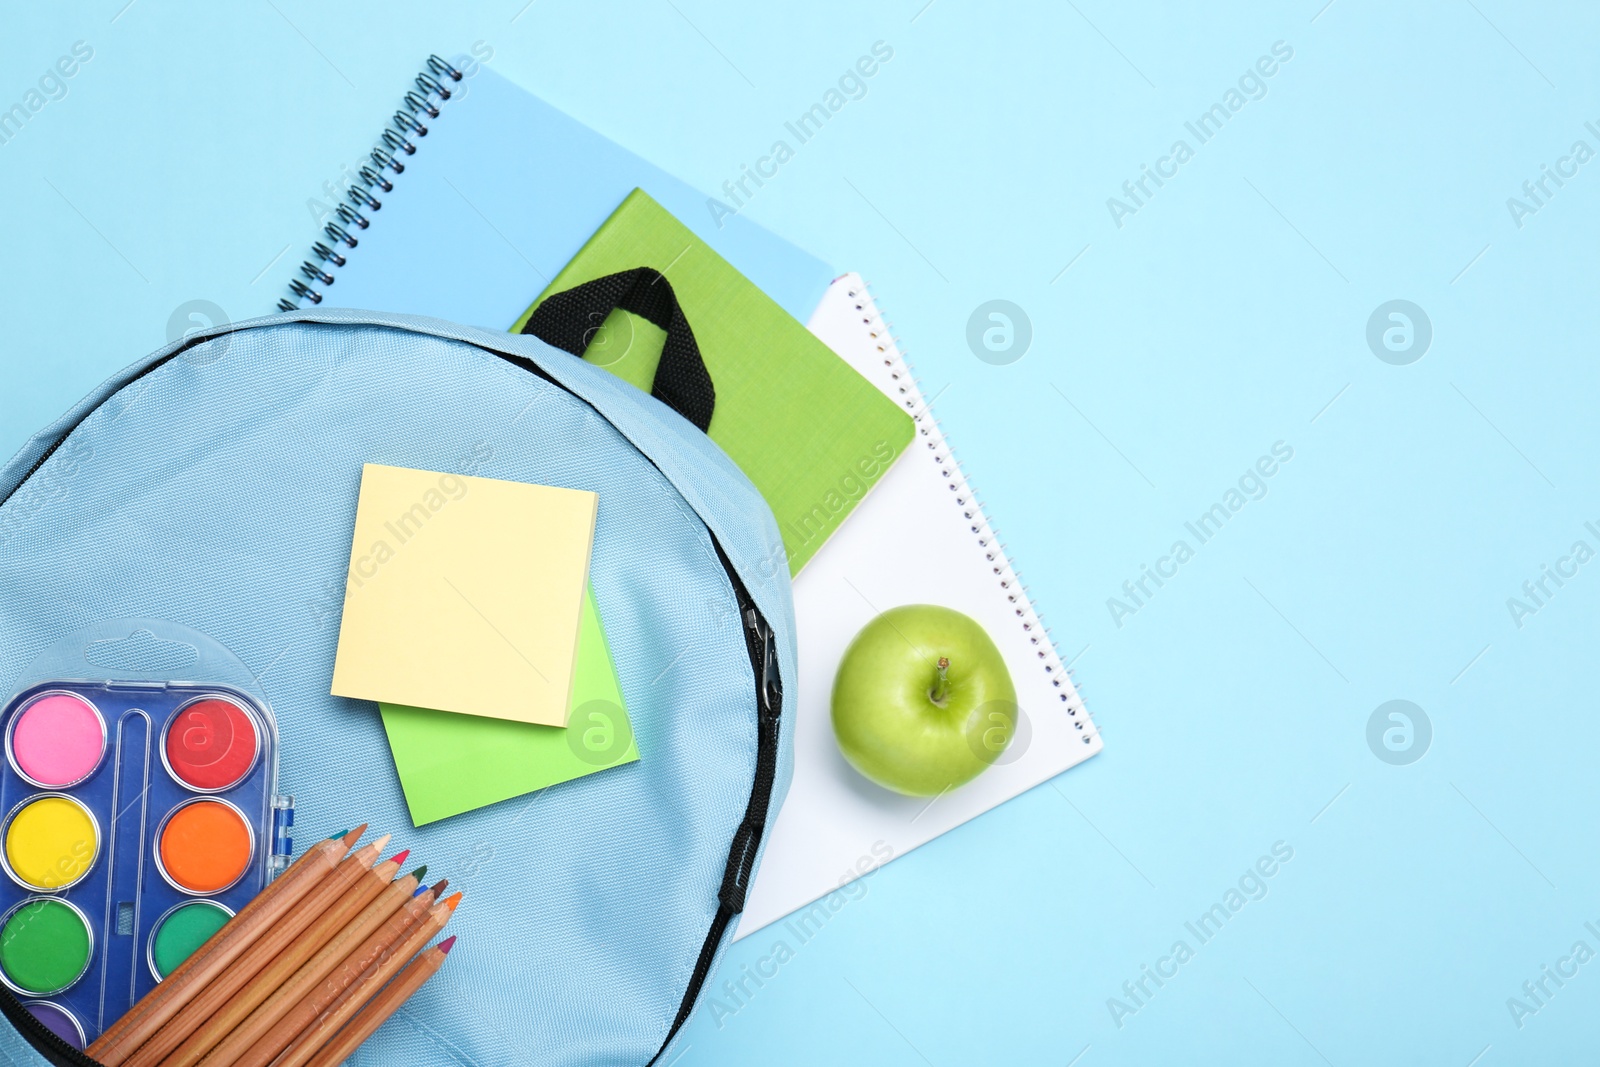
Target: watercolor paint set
[(140, 810)]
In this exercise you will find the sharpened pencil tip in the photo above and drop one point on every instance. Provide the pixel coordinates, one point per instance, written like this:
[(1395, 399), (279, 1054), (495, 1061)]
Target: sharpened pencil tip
[(337, 836), (453, 902), (447, 944), (381, 843), (420, 872), (400, 857), (353, 836), (439, 888)]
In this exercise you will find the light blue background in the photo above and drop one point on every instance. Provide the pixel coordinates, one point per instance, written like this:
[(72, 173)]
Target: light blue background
[(1229, 313)]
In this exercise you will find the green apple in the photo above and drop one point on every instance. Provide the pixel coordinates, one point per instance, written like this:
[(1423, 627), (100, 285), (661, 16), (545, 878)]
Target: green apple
[(923, 701)]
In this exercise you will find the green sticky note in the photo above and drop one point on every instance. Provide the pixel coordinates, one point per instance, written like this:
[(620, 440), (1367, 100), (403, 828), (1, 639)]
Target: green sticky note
[(451, 763), (811, 433)]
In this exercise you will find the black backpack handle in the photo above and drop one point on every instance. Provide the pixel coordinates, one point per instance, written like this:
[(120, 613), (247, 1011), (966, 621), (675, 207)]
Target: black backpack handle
[(567, 320)]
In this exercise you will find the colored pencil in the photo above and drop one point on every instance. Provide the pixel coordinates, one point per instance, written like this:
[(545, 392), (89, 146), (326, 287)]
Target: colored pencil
[(207, 1020), (361, 942), (356, 977), (269, 907), (376, 1012)]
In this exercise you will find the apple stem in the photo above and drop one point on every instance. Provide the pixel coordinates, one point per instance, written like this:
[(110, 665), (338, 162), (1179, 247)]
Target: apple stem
[(941, 685)]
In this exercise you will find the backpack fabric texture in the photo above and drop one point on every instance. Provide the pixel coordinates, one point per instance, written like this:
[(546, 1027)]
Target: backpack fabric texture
[(214, 484)]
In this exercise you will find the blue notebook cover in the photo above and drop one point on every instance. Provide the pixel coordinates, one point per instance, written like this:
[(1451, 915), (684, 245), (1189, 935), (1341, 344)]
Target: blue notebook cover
[(502, 192)]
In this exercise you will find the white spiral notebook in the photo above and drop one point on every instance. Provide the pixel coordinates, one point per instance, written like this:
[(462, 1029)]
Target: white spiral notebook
[(919, 537)]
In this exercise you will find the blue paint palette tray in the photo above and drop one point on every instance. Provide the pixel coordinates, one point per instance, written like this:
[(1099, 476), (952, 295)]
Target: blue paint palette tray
[(140, 807)]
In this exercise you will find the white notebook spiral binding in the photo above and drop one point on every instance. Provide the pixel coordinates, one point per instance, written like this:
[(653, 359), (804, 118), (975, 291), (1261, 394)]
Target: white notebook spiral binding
[(931, 436)]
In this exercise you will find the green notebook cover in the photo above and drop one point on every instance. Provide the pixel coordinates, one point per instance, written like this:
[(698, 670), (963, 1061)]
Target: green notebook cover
[(812, 434), (451, 763)]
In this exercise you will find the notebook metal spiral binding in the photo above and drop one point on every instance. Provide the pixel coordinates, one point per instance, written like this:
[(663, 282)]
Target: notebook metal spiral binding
[(1009, 580), (419, 104)]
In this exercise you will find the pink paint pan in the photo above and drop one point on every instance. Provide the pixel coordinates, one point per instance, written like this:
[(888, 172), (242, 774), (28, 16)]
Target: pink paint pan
[(57, 741)]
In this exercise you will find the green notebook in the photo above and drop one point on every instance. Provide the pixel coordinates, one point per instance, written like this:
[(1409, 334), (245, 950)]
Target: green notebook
[(812, 434), (451, 763)]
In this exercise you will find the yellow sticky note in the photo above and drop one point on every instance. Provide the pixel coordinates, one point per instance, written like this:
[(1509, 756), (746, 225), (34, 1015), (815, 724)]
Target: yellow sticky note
[(465, 594)]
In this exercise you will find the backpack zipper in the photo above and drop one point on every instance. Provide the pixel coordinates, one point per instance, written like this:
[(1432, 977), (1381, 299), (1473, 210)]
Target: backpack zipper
[(762, 644), (44, 1041)]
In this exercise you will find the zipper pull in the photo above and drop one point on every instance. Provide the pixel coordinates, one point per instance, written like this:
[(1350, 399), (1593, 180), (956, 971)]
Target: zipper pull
[(771, 683)]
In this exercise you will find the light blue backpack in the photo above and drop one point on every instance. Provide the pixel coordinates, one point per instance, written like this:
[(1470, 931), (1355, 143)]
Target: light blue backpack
[(214, 484)]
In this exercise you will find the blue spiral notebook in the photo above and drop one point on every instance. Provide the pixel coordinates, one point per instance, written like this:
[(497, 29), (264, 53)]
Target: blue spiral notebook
[(496, 199)]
